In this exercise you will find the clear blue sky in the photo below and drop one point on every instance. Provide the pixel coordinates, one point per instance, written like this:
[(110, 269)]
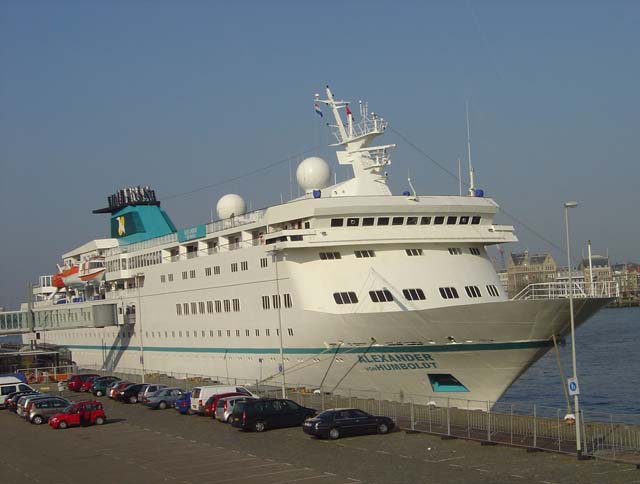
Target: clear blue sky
[(177, 95)]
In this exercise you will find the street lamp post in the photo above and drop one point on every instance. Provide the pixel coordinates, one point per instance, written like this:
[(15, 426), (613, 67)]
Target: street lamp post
[(576, 402)]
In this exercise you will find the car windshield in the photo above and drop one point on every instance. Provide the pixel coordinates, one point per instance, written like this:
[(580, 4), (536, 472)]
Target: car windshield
[(328, 415), (67, 409)]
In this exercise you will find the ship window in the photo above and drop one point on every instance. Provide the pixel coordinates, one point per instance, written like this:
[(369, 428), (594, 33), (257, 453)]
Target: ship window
[(219, 333), (412, 220), (173, 334), (267, 332), (383, 220), (413, 252), (227, 306), (345, 297), (275, 299), (218, 306), (257, 332), (163, 278), (266, 302), (290, 330), (287, 301), (455, 251), (228, 332), (209, 307), (474, 250), (211, 334), (367, 221), (207, 271), (452, 220), (475, 220), (464, 220), (449, 293), (383, 295), (216, 270), (364, 253), (237, 332), (236, 305), (493, 290), (194, 308), (425, 220), (337, 222), (397, 221), (184, 275), (330, 255), (414, 294), (234, 267), (244, 266), (439, 220), (170, 277), (263, 262), (472, 291), (246, 332), (201, 307), (307, 225), (185, 308), (353, 222), (179, 309), (446, 383), (180, 334)]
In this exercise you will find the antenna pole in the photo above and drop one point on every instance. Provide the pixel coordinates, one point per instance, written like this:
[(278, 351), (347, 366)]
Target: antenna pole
[(590, 270), (471, 181), (459, 177)]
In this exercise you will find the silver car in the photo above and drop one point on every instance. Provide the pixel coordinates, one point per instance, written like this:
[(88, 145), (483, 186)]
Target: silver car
[(23, 402), (163, 398), (40, 409), (224, 407), (148, 390)]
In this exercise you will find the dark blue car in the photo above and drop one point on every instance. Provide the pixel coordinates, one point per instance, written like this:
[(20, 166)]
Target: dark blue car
[(183, 403)]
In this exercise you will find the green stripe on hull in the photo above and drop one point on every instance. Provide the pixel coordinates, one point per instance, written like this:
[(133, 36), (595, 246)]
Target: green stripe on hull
[(314, 351)]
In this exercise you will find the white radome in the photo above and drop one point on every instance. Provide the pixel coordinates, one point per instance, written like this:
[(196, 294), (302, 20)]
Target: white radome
[(313, 173), (231, 205)]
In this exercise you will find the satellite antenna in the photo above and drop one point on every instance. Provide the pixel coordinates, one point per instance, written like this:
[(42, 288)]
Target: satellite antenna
[(472, 187)]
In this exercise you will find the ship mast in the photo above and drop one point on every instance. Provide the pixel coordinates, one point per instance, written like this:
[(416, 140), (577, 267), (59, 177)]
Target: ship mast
[(368, 162)]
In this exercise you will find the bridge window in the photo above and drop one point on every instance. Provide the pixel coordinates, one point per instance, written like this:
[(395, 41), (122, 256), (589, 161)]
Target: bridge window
[(353, 222), (452, 220), (449, 293), (412, 220), (345, 297), (330, 255), (413, 252), (455, 251), (464, 220), (364, 253), (474, 251), (414, 294), (337, 222), (397, 221), (383, 220), (439, 220), (367, 221), (472, 291), (493, 290), (425, 220), (475, 220), (383, 295)]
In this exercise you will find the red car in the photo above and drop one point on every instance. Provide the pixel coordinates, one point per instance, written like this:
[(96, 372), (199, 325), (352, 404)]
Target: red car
[(118, 388), (210, 405), (86, 384), (80, 413), (75, 382)]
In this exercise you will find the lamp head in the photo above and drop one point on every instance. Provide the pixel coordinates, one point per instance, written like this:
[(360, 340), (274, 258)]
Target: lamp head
[(570, 204)]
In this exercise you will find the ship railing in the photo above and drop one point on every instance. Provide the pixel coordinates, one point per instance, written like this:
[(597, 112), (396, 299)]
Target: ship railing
[(237, 221), (368, 125), (564, 289), (146, 244)]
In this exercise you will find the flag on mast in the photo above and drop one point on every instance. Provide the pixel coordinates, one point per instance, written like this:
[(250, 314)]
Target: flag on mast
[(349, 113), (317, 109)]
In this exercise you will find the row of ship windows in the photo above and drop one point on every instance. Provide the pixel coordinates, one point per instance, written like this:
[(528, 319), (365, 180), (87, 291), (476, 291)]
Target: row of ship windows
[(361, 254), (414, 294), (230, 305), (438, 220), (215, 270), (188, 334)]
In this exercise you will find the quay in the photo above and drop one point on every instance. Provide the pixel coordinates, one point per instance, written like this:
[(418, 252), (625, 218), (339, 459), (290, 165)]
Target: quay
[(142, 445)]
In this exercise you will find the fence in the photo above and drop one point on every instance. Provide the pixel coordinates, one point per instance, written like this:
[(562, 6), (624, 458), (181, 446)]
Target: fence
[(531, 426)]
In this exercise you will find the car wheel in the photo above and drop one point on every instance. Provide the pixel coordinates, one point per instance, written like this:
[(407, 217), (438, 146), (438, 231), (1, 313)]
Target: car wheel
[(99, 420), (334, 434), (259, 426), (162, 405), (99, 393), (37, 420), (133, 399), (383, 428), (62, 424)]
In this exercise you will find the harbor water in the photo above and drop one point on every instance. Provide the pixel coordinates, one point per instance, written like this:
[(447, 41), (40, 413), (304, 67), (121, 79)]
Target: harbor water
[(608, 361)]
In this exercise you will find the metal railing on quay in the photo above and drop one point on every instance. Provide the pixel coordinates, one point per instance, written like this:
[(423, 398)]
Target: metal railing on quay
[(562, 289), (527, 425)]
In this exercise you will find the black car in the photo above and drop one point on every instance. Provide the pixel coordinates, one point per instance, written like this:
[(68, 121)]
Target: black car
[(269, 413), (12, 399), (130, 393), (340, 422)]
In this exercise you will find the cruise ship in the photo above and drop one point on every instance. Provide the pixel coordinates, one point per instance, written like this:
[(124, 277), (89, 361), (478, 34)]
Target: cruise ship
[(347, 289)]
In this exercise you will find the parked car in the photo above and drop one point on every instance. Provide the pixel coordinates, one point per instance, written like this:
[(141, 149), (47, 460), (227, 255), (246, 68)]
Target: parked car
[(12, 399), (79, 413), (183, 403), (212, 402), (163, 398), (268, 413), (341, 422), (111, 388), (118, 388), (75, 382), (148, 390), (23, 402), (225, 406), (129, 394), (100, 385), (40, 409), (86, 384), (10, 385), (200, 395)]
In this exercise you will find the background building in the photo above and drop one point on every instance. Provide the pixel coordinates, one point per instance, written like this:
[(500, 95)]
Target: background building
[(524, 269)]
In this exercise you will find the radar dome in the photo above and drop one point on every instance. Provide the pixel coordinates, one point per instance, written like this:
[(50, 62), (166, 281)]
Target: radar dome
[(230, 205), (313, 173)]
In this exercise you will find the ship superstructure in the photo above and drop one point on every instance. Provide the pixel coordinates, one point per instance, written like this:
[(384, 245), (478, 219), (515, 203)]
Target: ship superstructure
[(347, 287)]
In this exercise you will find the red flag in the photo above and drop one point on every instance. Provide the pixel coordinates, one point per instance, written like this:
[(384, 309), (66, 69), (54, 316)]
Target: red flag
[(349, 113)]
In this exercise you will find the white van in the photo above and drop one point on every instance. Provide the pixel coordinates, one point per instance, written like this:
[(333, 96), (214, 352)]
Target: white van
[(7, 387), (200, 395)]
